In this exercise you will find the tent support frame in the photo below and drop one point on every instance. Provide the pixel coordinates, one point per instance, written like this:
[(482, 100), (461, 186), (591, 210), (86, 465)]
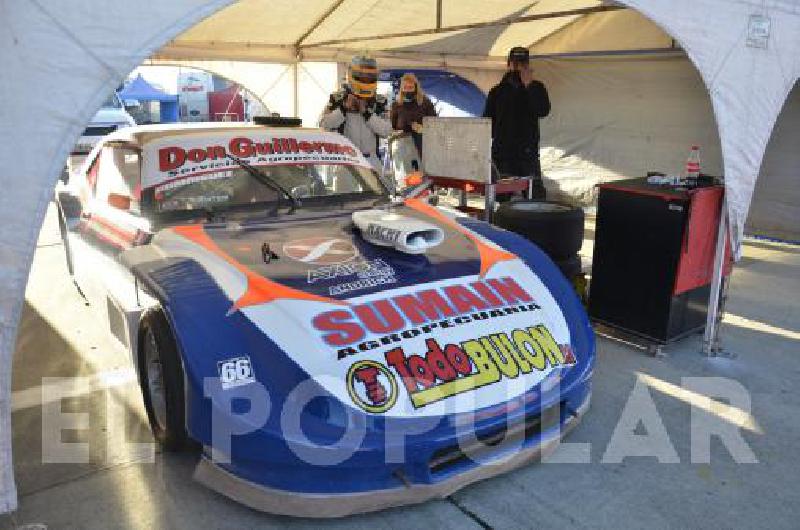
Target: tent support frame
[(475, 25), (716, 306), (331, 10)]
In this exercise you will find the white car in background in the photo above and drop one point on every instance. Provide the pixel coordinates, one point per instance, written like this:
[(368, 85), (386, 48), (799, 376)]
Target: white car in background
[(110, 117)]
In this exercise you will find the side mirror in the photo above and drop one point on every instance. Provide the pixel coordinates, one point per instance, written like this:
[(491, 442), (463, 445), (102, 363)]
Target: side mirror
[(121, 202)]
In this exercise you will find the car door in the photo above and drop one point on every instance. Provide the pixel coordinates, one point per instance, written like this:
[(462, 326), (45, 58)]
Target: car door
[(111, 222), (113, 217)]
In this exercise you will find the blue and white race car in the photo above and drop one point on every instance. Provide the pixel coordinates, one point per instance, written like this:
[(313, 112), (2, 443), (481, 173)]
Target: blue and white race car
[(332, 348)]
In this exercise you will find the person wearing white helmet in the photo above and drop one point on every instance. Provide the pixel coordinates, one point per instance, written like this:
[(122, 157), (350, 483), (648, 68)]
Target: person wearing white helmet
[(357, 111)]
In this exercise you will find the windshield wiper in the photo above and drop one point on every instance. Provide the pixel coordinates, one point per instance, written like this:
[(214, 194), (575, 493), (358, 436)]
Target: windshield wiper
[(267, 181)]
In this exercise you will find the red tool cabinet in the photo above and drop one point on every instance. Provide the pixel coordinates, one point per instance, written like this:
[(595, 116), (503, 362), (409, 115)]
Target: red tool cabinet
[(653, 258)]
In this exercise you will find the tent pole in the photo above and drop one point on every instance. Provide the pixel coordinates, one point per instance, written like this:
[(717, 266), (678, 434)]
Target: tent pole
[(317, 23), (296, 86), (711, 346), (475, 25)]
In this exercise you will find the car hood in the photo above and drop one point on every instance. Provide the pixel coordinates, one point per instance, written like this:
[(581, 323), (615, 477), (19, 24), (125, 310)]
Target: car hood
[(465, 326)]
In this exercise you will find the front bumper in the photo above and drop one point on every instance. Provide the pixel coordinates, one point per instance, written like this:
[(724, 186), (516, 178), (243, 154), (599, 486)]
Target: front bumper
[(338, 505)]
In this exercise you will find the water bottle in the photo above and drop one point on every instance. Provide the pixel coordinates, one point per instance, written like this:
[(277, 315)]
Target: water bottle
[(692, 173)]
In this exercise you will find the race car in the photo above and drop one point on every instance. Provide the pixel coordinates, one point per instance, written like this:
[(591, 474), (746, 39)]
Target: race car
[(332, 348)]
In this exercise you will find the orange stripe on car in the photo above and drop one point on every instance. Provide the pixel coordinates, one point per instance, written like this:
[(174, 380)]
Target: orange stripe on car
[(489, 255), (260, 290)]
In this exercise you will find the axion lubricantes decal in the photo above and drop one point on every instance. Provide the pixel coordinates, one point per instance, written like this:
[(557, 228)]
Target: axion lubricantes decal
[(321, 250), (357, 275), (190, 156)]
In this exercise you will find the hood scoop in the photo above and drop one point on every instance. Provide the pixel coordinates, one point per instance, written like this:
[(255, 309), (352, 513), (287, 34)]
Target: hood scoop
[(403, 233)]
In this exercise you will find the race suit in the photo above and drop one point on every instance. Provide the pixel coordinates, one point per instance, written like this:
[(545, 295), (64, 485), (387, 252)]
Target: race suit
[(363, 129)]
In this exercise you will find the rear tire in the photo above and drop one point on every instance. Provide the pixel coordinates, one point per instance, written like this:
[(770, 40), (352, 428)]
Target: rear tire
[(554, 227), (162, 381)]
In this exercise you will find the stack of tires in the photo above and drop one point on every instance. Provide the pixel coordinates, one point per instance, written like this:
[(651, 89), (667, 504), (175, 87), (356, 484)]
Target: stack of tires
[(554, 227)]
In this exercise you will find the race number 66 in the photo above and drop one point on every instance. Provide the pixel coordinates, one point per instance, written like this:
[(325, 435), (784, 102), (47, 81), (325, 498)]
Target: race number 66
[(235, 372)]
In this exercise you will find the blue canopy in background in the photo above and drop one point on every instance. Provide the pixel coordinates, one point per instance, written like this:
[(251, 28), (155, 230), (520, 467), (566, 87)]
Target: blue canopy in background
[(451, 94), (140, 90)]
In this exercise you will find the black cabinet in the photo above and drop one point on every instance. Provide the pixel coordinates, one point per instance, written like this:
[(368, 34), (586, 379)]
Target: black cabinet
[(650, 270)]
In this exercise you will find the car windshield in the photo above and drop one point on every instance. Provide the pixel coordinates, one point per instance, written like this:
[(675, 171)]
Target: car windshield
[(236, 187)]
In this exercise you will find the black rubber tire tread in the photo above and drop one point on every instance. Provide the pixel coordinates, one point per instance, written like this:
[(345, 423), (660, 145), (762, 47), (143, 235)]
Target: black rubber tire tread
[(570, 267), (558, 232), (174, 436)]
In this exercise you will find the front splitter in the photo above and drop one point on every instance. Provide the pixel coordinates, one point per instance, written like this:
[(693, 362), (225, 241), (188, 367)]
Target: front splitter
[(330, 505)]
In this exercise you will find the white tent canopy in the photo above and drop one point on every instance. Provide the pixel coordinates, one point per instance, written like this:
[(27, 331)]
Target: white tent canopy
[(62, 58)]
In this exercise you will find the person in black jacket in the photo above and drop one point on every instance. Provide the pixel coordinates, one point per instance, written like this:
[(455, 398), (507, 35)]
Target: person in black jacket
[(515, 106)]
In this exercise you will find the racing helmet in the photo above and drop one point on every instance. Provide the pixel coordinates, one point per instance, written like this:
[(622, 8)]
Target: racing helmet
[(363, 76)]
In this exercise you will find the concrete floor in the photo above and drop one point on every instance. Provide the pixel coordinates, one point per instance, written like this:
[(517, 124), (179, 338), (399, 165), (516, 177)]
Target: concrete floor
[(59, 338)]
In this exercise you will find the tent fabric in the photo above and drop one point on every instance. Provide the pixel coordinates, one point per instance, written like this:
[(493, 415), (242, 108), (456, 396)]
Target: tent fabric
[(593, 135), (284, 24), (85, 48), (89, 51), (615, 30), (748, 85), (168, 111), (462, 97), (775, 211), (141, 90)]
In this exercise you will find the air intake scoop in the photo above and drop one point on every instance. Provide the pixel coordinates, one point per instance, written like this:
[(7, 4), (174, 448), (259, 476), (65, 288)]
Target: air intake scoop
[(403, 233)]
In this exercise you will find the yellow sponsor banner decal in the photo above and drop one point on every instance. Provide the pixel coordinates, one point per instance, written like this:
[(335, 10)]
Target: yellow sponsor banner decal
[(494, 357)]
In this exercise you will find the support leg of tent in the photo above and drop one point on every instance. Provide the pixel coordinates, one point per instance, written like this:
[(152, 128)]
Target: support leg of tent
[(711, 344), (489, 205), (296, 87)]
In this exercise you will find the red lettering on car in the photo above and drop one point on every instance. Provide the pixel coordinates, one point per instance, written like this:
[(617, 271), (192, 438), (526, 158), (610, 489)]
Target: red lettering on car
[(380, 317), (171, 158), (423, 306), (342, 330), (463, 299), (510, 290)]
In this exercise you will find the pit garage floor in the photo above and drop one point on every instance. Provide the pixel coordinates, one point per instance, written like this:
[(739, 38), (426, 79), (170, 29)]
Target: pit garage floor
[(60, 338)]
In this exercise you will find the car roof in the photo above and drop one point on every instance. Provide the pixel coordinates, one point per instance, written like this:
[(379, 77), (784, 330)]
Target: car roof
[(143, 134)]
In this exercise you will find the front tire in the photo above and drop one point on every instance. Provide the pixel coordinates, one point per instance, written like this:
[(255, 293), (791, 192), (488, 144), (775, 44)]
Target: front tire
[(162, 382)]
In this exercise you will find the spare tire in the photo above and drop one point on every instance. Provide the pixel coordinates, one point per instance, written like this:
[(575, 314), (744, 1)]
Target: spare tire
[(556, 228), (570, 267)]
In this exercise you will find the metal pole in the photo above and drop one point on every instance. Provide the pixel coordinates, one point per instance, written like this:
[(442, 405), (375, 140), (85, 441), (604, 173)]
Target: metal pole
[(317, 23), (490, 201), (711, 346), (296, 71), (475, 25)]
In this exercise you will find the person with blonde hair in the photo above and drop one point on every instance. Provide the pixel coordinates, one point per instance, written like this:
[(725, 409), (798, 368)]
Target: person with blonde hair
[(410, 107)]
